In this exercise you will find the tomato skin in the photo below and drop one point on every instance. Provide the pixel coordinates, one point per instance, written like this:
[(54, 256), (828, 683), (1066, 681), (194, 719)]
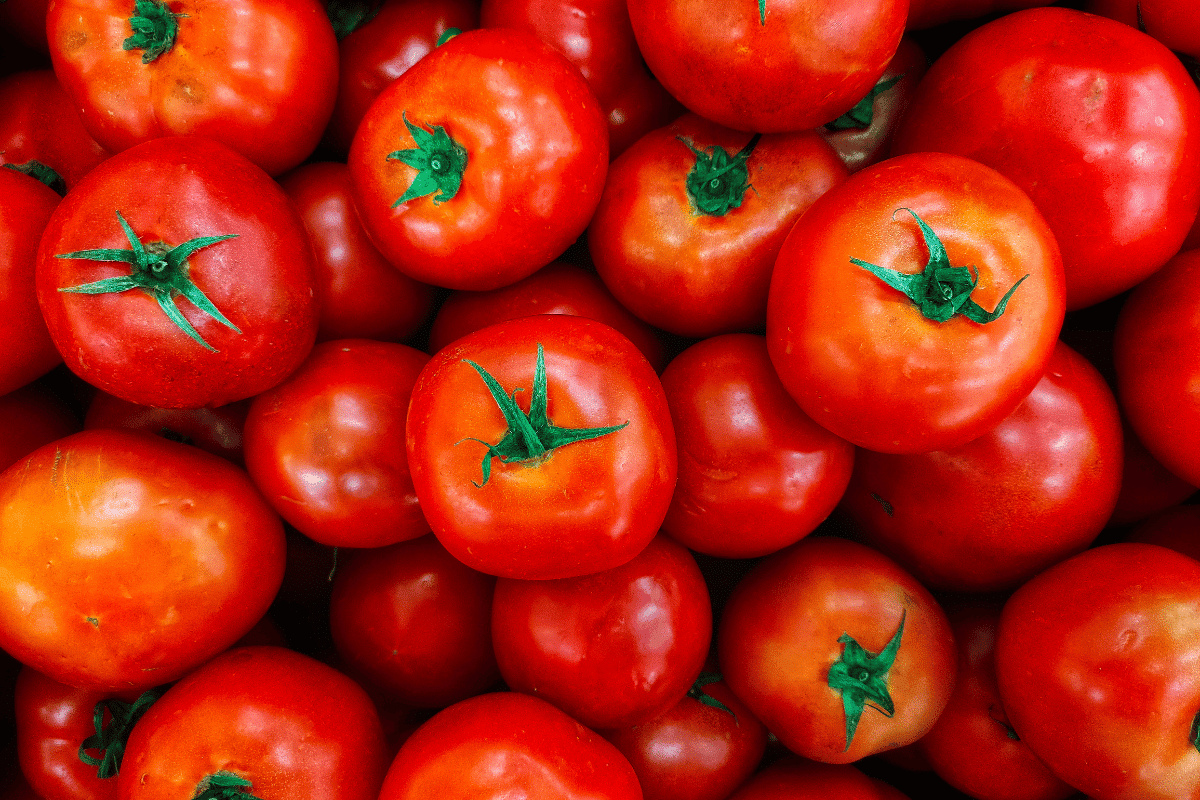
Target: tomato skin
[(1095, 663), (175, 190), (612, 649), (756, 474), (778, 638), (509, 100), (29, 418), (289, 724), (924, 14), (259, 76), (160, 556), (216, 430), (1095, 120), (694, 274), (326, 446), (793, 779), (913, 385), (1176, 25), (590, 505), (508, 744)]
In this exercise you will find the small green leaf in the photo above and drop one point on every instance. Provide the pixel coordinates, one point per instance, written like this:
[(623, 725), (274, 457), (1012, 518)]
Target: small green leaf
[(447, 35), (863, 113), (40, 172), (438, 160), (762, 12), (697, 693)]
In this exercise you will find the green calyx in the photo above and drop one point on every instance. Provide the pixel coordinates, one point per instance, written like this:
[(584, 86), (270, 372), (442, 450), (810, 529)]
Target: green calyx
[(861, 677), (158, 270), (863, 113), (940, 291), (110, 740), (762, 12), (154, 28), (1194, 733), (447, 35), (347, 16), (39, 171), (718, 181), (438, 160), (224, 786), (530, 438), (697, 693)]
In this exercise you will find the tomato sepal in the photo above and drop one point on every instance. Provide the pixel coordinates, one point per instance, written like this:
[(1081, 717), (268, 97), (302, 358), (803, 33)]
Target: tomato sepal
[(861, 676), (154, 27), (225, 786), (438, 160), (111, 739), (717, 181)]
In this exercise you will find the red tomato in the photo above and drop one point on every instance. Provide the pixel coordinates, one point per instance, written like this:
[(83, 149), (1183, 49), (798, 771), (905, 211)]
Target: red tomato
[(572, 475), (209, 298), (508, 744), (266, 720), (361, 295), (793, 779), (127, 560), (482, 163), (692, 218), (27, 19), (612, 649), (878, 368), (1095, 660), (326, 446), (839, 651), (29, 418), (756, 474), (1176, 527), (217, 430), (415, 623), (1146, 485), (1175, 24), (1095, 120), (929, 13), (259, 76)]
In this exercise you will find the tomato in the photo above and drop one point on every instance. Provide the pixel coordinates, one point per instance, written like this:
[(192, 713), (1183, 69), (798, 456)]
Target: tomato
[(793, 779), (414, 622), (541, 448), (216, 430), (930, 13), (126, 560), (29, 418), (756, 474), (507, 744), (774, 66), (1177, 25), (1095, 660), (224, 313), (361, 295), (482, 163), (326, 446), (259, 76), (878, 368), (992, 513), (1146, 485), (612, 649), (1174, 527), (693, 215), (1095, 120), (267, 720), (839, 651)]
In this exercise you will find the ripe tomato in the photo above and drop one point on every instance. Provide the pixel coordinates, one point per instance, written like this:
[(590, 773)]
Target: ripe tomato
[(541, 448), (1177, 25), (217, 430), (867, 273), (126, 560), (259, 76), (794, 779), (1174, 527)]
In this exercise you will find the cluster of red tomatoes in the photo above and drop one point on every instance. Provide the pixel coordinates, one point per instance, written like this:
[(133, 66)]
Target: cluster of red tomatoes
[(672, 399)]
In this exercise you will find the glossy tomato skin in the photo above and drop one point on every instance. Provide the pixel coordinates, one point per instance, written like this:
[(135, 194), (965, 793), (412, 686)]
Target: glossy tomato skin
[(174, 190), (259, 76), (785, 66), (160, 556), (697, 274), (756, 474), (1176, 25), (509, 100), (1094, 119), (287, 723), (326, 446), (507, 744), (1095, 663), (779, 636), (860, 358), (979, 517), (589, 505), (612, 649)]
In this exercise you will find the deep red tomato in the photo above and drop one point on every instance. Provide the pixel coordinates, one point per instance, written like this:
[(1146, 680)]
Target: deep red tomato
[(217, 430), (267, 721), (1176, 527), (29, 418), (992, 513), (839, 651), (916, 304), (1177, 25), (508, 744), (326, 446), (415, 623), (361, 295), (177, 274), (693, 215), (756, 474), (542, 447), (1096, 121), (929, 13), (612, 649), (482, 163), (794, 779), (126, 560), (1146, 485), (1096, 664), (259, 76)]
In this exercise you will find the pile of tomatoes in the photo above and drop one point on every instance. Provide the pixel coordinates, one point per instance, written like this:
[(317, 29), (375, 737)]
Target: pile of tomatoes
[(689, 399)]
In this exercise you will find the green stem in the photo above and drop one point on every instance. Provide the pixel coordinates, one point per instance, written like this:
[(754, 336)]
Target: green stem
[(154, 27), (224, 786), (39, 171), (718, 181)]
